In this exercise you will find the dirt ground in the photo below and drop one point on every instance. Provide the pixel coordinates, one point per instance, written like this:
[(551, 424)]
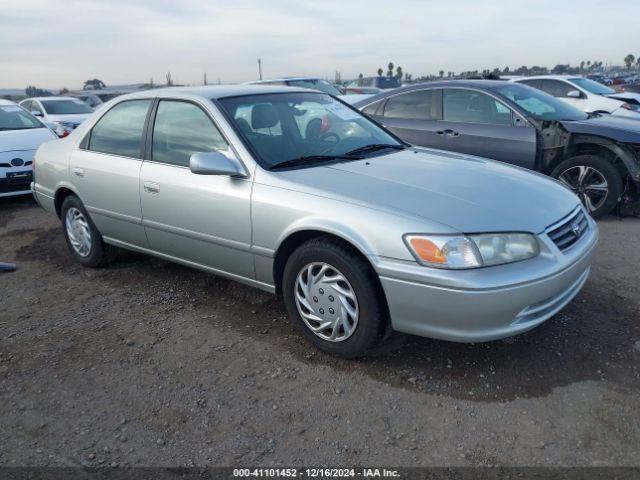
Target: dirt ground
[(150, 363)]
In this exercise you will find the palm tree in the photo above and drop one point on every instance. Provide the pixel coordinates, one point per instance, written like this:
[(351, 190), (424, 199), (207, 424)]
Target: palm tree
[(628, 61), (399, 72), (582, 65), (390, 71), (441, 72), (380, 72)]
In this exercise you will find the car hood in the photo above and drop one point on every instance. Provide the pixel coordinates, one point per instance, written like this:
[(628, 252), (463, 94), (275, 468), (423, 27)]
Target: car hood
[(629, 97), (467, 194), (621, 129), (76, 118), (28, 139)]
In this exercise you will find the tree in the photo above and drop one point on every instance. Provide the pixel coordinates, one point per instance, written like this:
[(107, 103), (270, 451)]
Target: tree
[(32, 91), (560, 69), (169, 79), (582, 65), (441, 72), (64, 91), (94, 84), (628, 61), (638, 62), (380, 72), (399, 72), (506, 71), (390, 70)]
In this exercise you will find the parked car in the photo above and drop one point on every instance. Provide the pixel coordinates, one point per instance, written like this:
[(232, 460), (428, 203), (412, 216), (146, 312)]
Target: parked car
[(66, 113), (383, 83), (313, 83), (95, 98), (594, 155), (20, 135), (596, 77), (587, 95), (360, 234)]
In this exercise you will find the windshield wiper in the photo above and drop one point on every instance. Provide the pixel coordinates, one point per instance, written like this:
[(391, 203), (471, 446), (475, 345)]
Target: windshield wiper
[(374, 147), (312, 159)]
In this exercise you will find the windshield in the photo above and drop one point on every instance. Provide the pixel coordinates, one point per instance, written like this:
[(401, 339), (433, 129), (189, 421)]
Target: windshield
[(318, 84), (591, 86), (65, 107), (539, 105), (13, 117), (287, 126)]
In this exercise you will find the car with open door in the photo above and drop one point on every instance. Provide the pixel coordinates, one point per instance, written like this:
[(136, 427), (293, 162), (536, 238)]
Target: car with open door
[(596, 156)]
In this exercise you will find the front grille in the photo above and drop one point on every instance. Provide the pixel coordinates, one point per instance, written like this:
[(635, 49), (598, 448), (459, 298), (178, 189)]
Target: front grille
[(568, 231)]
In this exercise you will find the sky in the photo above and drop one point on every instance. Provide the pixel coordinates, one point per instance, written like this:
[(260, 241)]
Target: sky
[(57, 44)]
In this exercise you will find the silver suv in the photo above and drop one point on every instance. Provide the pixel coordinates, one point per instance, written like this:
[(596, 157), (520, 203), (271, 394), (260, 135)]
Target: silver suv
[(297, 193)]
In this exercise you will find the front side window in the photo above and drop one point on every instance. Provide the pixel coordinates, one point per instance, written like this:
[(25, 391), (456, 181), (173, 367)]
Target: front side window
[(289, 126), (470, 106), (420, 105), (557, 88), (538, 104), (120, 130), (591, 86), (65, 107), (12, 117), (182, 129)]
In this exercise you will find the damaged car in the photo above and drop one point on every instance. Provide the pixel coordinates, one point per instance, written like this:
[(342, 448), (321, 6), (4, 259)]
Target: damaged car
[(596, 156)]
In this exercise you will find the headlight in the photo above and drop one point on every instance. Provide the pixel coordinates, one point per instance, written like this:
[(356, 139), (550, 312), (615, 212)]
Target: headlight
[(472, 251)]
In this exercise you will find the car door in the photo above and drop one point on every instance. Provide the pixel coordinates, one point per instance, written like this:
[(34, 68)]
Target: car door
[(204, 219), (105, 171), (413, 116), (476, 123)]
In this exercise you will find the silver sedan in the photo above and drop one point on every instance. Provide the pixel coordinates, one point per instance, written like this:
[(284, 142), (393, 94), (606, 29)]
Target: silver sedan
[(296, 193)]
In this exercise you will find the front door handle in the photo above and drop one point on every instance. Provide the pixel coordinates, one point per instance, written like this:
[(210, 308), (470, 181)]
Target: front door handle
[(78, 172), (448, 133), (151, 187)]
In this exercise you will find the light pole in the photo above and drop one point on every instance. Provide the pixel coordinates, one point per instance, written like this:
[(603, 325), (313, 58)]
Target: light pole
[(260, 68)]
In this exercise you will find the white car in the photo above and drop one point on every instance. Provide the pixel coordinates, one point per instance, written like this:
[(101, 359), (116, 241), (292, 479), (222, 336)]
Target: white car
[(587, 95), (20, 136), (65, 112)]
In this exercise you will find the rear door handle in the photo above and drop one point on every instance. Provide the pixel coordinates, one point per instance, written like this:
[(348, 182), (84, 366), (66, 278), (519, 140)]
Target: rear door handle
[(78, 172), (151, 187)]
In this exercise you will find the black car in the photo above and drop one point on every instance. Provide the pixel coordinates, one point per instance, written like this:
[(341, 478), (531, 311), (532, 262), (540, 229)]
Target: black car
[(597, 156)]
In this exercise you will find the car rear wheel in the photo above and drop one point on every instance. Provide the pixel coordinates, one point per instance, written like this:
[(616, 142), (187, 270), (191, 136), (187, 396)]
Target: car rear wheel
[(595, 180), (331, 294), (82, 236)]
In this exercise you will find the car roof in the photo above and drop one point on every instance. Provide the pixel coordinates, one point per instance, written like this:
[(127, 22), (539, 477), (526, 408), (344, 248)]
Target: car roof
[(282, 79), (6, 102), (216, 91), (551, 77), (53, 97)]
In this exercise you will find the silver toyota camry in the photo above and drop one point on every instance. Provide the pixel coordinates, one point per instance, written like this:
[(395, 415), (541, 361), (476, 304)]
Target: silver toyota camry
[(296, 193)]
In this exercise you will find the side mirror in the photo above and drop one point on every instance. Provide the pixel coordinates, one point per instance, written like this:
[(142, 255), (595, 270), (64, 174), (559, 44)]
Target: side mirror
[(215, 163), (574, 94), (36, 113)]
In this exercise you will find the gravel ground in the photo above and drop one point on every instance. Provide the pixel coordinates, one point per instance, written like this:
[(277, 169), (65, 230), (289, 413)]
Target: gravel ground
[(150, 363)]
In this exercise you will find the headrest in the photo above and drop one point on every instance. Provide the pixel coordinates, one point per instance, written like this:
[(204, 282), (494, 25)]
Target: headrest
[(264, 115)]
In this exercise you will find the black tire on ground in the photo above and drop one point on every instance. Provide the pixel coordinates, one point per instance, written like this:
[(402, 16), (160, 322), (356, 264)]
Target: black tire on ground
[(372, 318), (100, 254), (605, 168)]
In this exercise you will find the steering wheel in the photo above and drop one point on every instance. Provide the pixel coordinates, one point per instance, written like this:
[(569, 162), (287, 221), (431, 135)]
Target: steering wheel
[(326, 136)]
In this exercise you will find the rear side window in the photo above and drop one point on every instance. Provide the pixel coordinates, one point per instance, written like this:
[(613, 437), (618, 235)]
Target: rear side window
[(557, 88), (182, 129), (470, 106), (120, 130), (420, 105)]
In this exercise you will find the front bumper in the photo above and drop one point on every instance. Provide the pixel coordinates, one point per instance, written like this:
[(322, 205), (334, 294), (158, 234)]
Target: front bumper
[(17, 185), (488, 303)]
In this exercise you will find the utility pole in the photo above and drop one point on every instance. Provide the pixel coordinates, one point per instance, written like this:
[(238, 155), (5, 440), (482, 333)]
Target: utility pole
[(260, 68)]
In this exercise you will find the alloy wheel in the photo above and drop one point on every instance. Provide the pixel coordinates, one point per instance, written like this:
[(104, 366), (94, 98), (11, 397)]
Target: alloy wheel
[(326, 302), (588, 183)]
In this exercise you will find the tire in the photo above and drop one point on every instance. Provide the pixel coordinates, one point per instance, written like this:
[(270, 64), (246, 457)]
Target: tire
[(597, 168), (98, 254), (371, 319)]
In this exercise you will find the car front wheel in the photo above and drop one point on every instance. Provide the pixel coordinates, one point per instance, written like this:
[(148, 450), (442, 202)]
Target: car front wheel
[(331, 294), (595, 180)]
